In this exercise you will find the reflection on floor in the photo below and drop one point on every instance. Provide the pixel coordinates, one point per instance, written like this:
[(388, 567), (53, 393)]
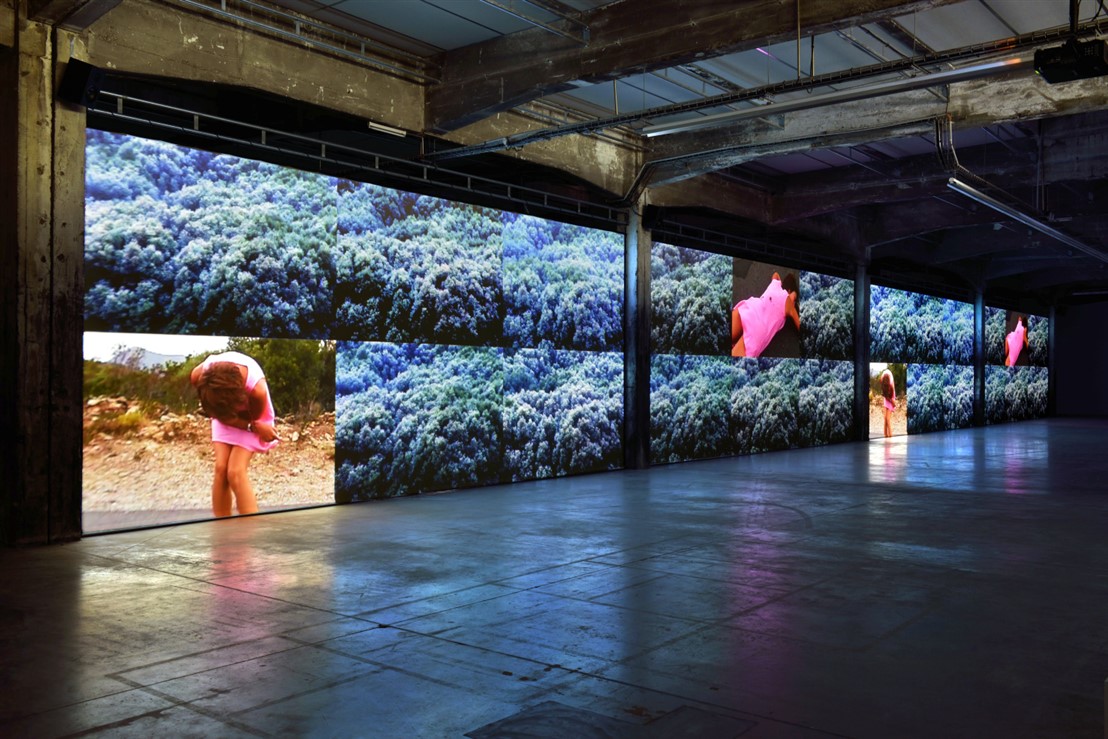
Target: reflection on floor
[(945, 585)]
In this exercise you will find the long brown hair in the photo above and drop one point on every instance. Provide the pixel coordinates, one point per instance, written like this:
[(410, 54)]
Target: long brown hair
[(222, 392)]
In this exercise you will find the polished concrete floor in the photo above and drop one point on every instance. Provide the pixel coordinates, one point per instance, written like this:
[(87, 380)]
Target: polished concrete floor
[(947, 585)]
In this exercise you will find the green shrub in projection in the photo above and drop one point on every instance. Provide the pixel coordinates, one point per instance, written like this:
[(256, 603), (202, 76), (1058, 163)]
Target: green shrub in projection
[(1015, 393), (825, 402), (180, 240), (300, 374), (690, 295), (690, 399), (957, 329), (826, 316), (765, 404), (563, 285), (1038, 340), (417, 268), (413, 418), (906, 326), (994, 335), (926, 398), (958, 397), (563, 413)]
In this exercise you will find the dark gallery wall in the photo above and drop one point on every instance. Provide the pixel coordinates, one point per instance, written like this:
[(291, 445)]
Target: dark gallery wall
[(1081, 360)]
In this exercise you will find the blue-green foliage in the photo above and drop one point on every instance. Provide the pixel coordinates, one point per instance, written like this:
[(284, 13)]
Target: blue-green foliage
[(958, 403), (690, 399), (184, 241), (1015, 393), (765, 403), (1038, 340), (417, 268), (957, 325), (939, 397), (826, 316), (563, 412), (994, 335), (411, 418), (826, 402), (690, 294), (926, 395), (563, 285), (906, 326)]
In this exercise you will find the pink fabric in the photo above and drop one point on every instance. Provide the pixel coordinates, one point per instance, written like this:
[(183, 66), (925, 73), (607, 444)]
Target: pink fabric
[(890, 403), (762, 317), (235, 436), (1015, 341)]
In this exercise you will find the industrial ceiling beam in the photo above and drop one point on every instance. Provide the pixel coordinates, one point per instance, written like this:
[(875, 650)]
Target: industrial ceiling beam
[(626, 37), (75, 15)]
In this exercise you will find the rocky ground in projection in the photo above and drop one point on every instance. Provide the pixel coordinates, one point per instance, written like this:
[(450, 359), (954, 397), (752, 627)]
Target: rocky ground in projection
[(877, 418), (164, 462)]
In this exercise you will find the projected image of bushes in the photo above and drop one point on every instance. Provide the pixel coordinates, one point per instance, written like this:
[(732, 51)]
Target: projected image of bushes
[(765, 404), (958, 404), (563, 285), (1015, 393), (690, 401), (825, 402), (994, 335), (905, 326), (690, 293), (957, 331), (414, 418), (180, 240), (826, 316), (926, 398), (563, 412), (417, 268), (1038, 338)]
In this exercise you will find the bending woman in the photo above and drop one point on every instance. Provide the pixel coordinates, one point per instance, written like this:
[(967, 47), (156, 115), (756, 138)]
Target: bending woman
[(888, 393), (233, 391)]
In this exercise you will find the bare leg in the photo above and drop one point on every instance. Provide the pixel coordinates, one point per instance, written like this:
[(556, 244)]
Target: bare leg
[(237, 475), (221, 489), (888, 422)]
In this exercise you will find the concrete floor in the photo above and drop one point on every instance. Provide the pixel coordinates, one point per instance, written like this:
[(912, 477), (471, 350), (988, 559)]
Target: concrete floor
[(946, 585)]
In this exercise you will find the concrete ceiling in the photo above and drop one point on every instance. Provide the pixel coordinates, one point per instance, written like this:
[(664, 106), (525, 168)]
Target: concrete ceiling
[(779, 156)]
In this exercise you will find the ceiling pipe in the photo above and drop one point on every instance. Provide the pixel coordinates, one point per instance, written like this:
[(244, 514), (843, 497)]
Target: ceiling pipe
[(948, 157), (1027, 41), (1025, 218), (973, 72)]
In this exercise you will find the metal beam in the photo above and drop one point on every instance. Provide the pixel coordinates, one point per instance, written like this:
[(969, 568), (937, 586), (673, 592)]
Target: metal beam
[(971, 105), (74, 15), (495, 75)]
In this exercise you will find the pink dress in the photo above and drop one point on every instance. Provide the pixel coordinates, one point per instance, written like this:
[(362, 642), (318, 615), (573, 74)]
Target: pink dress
[(1015, 341), (236, 436), (762, 317), (890, 403)]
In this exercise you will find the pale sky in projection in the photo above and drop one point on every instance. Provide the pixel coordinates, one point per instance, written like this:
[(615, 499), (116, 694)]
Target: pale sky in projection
[(102, 346)]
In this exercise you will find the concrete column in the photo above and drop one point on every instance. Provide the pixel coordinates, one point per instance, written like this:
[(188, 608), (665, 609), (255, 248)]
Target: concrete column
[(636, 332), (1051, 383), (979, 358), (42, 236), (861, 352)]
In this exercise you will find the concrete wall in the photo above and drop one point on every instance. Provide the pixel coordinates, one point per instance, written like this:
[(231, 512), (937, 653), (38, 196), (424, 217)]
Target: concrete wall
[(1081, 360)]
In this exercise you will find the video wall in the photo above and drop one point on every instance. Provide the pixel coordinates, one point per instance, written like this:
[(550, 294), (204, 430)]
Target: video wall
[(746, 356), (1016, 374), (442, 344), (921, 370)]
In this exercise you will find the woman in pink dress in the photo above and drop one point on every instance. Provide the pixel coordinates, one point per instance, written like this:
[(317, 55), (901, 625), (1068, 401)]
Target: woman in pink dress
[(888, 392), (1014, 343), (756, 320), (233, 391)]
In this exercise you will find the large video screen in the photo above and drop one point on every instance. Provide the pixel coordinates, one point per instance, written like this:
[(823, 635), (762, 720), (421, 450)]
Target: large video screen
[(1016, 375), (747, 356), (465, 345), (921, 376)]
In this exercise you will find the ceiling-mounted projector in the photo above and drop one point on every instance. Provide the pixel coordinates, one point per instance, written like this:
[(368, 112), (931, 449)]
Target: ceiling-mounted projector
[(1073, 60)]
